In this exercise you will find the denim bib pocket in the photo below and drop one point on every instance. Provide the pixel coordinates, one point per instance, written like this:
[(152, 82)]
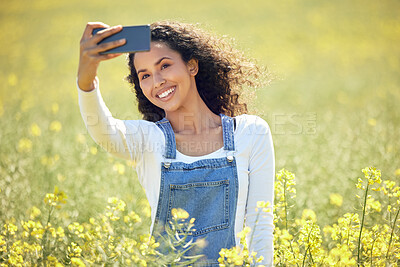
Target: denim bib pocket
[(207, 202)]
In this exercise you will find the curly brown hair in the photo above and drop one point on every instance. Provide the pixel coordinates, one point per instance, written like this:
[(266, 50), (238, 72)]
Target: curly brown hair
[(222, 71)]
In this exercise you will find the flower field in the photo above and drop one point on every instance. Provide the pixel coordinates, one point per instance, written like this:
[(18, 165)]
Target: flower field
[(333, 109)]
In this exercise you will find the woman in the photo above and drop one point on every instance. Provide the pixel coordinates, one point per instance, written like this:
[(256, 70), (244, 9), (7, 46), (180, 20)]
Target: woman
[(190, 150)]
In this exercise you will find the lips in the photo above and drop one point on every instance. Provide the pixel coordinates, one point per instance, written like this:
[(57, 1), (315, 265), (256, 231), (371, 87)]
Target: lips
[(166, 93)]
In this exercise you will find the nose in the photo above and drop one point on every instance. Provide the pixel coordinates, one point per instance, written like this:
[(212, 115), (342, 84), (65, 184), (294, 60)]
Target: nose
[(158, 80)]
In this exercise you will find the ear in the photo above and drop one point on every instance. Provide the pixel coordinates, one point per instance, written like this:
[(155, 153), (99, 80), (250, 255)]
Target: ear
[(193, 66)]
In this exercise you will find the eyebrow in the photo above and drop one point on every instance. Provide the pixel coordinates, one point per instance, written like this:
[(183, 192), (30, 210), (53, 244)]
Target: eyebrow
[(155, 64)]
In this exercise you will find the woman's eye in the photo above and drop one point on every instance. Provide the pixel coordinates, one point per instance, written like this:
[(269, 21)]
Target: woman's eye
[(145, 76), (164, 66)]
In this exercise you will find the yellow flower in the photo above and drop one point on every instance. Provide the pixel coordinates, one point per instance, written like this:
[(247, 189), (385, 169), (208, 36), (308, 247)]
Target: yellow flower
[(49, 161), (116, 206), (371, 121), (371, 176), (56, 198), (130, 163), (147, 210), (120, 168), (53, 232), (121, 206), (242, 234), (113, 200), (93, 150), (374, 204), (341, 253), (75, 228), (35, 212), (336, 199), (134, 217), (10, 229), (51, 258), (309, 215), (80, 138), (397, 172), (179, 213), (24, 145), (265, 206), (60, 232), (77, 262), (55, 126), (92, 220), (53, 261), (35, 130), (2, 243)]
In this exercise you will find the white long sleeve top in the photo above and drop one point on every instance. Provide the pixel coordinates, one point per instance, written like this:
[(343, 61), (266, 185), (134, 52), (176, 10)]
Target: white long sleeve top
[(143, 142)]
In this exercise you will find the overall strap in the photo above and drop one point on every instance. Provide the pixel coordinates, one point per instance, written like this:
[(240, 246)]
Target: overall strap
[(228, 129), (170, 145)]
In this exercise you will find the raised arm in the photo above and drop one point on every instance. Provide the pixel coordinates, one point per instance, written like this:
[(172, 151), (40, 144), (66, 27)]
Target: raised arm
[(107, 131)]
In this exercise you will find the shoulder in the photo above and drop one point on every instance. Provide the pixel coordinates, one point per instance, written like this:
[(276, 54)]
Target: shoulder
[(253, 138), (145, 128), (140, 123), (251, 124), (254, 135)]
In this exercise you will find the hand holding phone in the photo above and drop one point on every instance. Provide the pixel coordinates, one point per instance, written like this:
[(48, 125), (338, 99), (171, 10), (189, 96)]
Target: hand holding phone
[(137, 39), (91, 53)]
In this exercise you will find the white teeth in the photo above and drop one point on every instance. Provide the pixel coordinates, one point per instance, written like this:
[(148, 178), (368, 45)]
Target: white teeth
[(166, 93)]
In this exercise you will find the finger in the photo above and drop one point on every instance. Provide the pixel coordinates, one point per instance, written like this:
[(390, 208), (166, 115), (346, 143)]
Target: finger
[(89, 29), (109, 45), (110, 56), (95, 50), (100, 35)]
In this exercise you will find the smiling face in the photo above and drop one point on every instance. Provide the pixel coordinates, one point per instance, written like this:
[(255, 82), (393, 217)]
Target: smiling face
[(165, 79)]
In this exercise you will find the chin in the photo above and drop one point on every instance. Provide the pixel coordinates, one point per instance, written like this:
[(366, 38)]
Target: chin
[(170, 107)]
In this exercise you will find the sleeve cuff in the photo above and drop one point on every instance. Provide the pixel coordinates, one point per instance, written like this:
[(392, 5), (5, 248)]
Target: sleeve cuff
[(93, 91)]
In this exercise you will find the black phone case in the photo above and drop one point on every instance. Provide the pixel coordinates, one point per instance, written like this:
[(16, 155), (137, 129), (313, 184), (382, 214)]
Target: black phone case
[(137, 39)]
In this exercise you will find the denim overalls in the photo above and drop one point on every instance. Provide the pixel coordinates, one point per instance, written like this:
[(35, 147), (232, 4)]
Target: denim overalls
[(207, 189)]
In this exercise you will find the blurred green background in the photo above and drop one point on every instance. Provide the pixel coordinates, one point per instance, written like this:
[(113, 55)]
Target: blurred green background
[(333, 108)]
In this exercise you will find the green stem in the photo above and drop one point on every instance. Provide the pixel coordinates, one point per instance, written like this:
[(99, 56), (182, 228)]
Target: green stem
[(254, 230), (8, 238), (286, 212), (286, 219), (311, 257), (391, 234), (44, 240), (308, 247), (305, 256), (372, 249), (348, 234), (390, 214), (362, 225)]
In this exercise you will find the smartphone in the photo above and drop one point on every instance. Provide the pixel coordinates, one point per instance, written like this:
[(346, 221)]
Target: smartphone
[(137, 39)]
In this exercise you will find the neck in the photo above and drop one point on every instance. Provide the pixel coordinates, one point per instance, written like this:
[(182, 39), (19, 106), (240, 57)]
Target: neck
[(194, 119)]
